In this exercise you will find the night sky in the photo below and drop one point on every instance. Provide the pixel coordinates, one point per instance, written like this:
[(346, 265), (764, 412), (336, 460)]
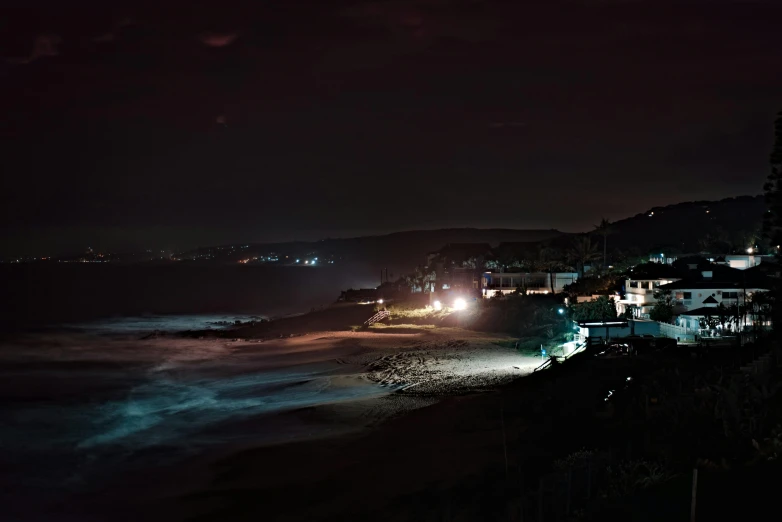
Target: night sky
[(153, 125)]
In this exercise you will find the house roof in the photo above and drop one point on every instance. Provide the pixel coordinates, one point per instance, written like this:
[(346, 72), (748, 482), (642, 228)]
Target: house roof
[(708, 284), (721, 277), (702, 311), (651, 271), (710, 300)]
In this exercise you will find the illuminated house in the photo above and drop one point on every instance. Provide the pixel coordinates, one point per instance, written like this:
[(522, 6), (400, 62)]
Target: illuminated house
[(503, 283), (742, 261), (722, 285), (458, 266), (739, 261), (639, 295)]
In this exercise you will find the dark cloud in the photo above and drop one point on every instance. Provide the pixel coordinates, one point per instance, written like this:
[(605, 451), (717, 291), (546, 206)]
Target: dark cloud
[(547, 114), (105, 37), (44, 45), (212, 39)]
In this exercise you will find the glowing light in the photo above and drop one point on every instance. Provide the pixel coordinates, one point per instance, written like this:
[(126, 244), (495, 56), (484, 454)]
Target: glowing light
[(561, 311), (379, 301), (438, 305), (749, 250), (459, 304), (297, 260), (306, 262)]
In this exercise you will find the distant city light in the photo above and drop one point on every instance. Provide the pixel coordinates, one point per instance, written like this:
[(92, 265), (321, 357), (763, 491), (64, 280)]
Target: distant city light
[(306, 262), (459, 304), (438, 305), (297, 260)]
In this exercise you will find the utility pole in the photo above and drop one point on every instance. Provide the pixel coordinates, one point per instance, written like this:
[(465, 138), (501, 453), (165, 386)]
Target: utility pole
[(694, 493)]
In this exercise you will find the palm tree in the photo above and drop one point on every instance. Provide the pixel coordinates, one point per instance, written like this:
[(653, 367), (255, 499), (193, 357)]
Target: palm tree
[(549, 260), (421, 280), (581, 252), (604, 229)]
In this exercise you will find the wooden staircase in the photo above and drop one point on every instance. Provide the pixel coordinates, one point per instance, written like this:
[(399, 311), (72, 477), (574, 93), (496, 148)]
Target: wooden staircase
[(382, 314)]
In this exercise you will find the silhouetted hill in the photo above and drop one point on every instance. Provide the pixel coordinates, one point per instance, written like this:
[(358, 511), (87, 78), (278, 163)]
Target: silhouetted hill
[(399, 252), (410, 248), (717, 226), (720, 227)]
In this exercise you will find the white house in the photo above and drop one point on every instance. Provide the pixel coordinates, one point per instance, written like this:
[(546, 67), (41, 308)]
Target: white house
[(691, 319), (503, 283), (708, 290), (639, 295), (742, 261), (739, 261)]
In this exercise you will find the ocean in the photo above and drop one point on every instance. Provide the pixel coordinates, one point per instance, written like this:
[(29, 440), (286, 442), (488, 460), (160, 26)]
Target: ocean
[(89, 396)]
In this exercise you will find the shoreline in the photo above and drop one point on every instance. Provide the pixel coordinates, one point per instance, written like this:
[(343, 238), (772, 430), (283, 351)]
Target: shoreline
[(221, 396)]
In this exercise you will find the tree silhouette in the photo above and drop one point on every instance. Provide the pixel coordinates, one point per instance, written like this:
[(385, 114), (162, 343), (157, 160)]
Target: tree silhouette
[(663, 308), (773, 219), (604, 229), (421, 280), (549, 262), (772, 222), (581, 252)]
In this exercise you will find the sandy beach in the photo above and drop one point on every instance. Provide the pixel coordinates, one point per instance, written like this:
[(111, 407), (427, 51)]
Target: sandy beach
[(104, 412)]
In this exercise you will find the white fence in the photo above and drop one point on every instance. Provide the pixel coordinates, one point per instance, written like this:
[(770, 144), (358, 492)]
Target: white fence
[(680, 333), (643, 327)]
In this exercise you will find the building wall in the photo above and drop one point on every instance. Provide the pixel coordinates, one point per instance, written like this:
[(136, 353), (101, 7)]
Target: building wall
[(744, 261), (639, 293), (493, 283), (639, 328), (693, 298)]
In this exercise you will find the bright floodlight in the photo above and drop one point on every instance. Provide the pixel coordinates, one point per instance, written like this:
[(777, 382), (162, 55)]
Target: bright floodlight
[(438, 305), (459, 304), (749, 250), (380, 301), (561, 310)]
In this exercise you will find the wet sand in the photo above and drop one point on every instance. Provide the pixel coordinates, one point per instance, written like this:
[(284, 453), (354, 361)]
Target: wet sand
[(150, 425)]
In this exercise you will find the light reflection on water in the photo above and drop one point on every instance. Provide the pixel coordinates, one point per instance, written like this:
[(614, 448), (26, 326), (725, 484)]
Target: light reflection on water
[(163, 410), (182, 408), (167, 323)]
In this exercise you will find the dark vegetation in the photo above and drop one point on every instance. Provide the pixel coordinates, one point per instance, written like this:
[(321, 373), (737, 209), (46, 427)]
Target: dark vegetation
[(678, 410), (618, 438), (720, 227)]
